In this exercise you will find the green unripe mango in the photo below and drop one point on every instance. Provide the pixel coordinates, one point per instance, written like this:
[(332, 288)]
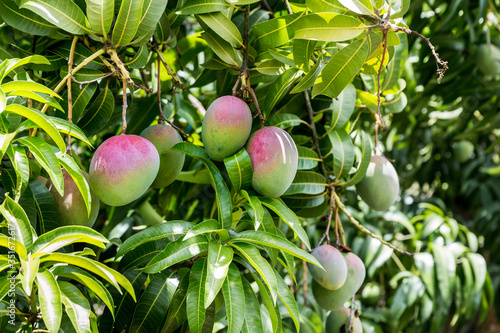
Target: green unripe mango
[(332, 260), (164, 137), (371, 293), (335, 299), (338, 322), (488, 59), (463, 150), (226, 127), (380, 186), (71, 206)]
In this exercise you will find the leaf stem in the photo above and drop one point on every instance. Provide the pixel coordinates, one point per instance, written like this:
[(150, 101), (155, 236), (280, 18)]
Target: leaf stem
[(124, 109), (170, 71)]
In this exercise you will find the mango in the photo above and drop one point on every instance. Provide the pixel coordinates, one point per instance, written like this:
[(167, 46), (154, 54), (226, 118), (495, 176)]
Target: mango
[(164, 137), (226, 127), (332, 260), (463, 150), (274, 159), (123, 168), (338, 322), (488, 59), (71, 206), (380, 186), (335, 299)]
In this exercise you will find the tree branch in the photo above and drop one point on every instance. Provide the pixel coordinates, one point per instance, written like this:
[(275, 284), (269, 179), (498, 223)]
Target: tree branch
[(68, 83)]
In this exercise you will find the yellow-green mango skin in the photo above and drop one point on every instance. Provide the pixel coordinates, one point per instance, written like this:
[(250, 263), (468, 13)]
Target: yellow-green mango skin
[(338, 321), (123, 168), (332, 260), (463, 150), (488, 59), (380, 186), (274, 159), (335, 299), (71, 207), (226, 127), (164, 137)]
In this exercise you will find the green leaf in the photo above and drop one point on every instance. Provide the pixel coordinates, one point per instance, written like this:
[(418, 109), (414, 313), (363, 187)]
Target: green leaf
[(100, 14), (66, 127), (176, 252), (223, 27), (425, 265), (63, 236), (21, 165), (278, 89), (275, 32), (195, 296), (302, 51), (333, 6), (3, 100), (219, 258), (257, 211), (288, 300), (177, 311), (308, 158), (46, 210), (81, 96), (343, 107), (18, 222), (141, 254), (162, 32), (10, 65), (5, 140), (76, 305), (239, 169), (366, 154), (363, 7), (253, 320), (90, 282), (279, 207), (445, 271), (98, 114), (28, 273), (14, 86), (328, 27), (45, 155), (13, 245), (42, 98), (341, 69), (307, 182), (24, 20), (160, 231), (152, 11), (308, 81), (267, 239), (223, 49), (41, 120), (125, 304), (49, 297), (234, 296), (63, 14), (202, 6), (127, 22), (285, 120), (252, 255), (204, 227), (479, 268), (140, 59), (224, 203), (113, 277), (342, 151), (154, 302)]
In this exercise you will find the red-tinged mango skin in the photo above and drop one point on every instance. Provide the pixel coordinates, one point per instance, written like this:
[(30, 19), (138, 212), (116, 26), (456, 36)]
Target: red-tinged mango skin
[(332, 260), (123, 168), (71, 206), (335, 299), (274, 159), (338, 321), (164, 137), (226, 127), (380, 186)]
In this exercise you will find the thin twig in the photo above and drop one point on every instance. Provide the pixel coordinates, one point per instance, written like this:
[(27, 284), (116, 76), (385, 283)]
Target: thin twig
[(310, 112), (268, 8), (338, 225), (235, 87), (145, 79), (326, 234), (170, 71), (81, 83), (179, 56), (125, 105), (288, 8), (68, 83)]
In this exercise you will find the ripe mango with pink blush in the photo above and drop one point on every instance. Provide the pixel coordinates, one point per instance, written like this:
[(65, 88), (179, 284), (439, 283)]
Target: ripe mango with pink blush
[(226, 127), (164, 137), (274, 159), (71, 206), (335, 268), (123, 168)]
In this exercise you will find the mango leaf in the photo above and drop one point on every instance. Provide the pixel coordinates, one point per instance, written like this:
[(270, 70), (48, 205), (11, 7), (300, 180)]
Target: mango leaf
[(253, 320), (275, 32), (141, 254), (363, 7), (46, 210), (63, 14), (17, 219), (279, 207), (445, 272), (63, 236), (152, 11), (195, 296), (308, 81), (125, 304), (10, 65), (177, 310), (42, 98), (223, 27), (257, 211), (425, 265), (219, 259), (162, 32), (224, 203), (159, 231), (204, 227), (341, 69), (278, 89), (285, 120), (307, 182), (234, 296), (154, 302), (342, 151), (28, 273), (479, 268), (239, 169), (100, 15), (366, 153), (140, 59), (252, 255), (127, 22), (288, 300), (13, 245), (98, 114), (20, 163), (223, 49), (271, 67), (343, 107), (333, 6), (49, 297), (202, 6), (3, 100), (81, 96), (76, 305), (14, 86), (328, 27), (176, 252), (24, 20), (308, 158), (302, 51)]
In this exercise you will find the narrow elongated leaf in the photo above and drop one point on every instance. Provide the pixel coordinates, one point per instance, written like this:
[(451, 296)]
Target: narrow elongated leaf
[(302, 51), (20, 162), (13, 86), (252, 255), (154, 302), (343, 107), (285, 120), (10, 65), (308, 158), (160, 231), (13, 245), (203, 228), (223, 26), (100, 14), (140, 59), (125, 304), (195, 296), (25, 20), (3, 100), (49, 297), (18, 221), (76, 305), (42, 98), (445, 268), (275, 32), (287, 298), (234, 296), (307, 182), (219, 258), (279, 88), (162, 31), (343, 152), (366, 153), (177, 311), (98, 114), (279, 207), (341, 69), (253, 320), (28, 273), (46, 210), (127, 22), (81, 97), (55, 239), (257, 211), (5, 140), (41, 120), (478, 265), (223, 49), (63, 14), (152, 11), (333, 6), (141, 254), (239, 169), (328, 27), (176, 252), (66, 127), (202, 6), (308, 81), (363, 7)]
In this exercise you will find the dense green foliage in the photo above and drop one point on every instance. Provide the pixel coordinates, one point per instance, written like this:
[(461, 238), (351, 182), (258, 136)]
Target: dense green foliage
[(344, 78)]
